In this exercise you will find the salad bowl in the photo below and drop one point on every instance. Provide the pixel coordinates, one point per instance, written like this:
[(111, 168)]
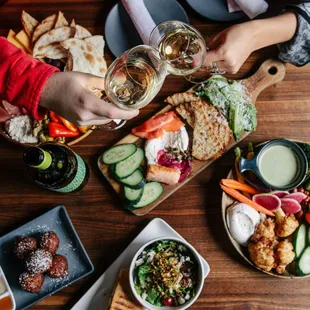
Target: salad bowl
[(150, 246)]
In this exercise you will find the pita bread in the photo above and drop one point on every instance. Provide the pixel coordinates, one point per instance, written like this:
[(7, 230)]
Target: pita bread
[(69, 64), (81, 32), (48, 44), (97, 41), (24, 39), (46, 25), (85, 57), (29, 23), (122, 298), (72, 23), (61, 20)]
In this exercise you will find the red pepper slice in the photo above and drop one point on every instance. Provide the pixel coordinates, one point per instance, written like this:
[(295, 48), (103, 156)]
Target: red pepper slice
[(307, 217), (54, 117), (58, 130)]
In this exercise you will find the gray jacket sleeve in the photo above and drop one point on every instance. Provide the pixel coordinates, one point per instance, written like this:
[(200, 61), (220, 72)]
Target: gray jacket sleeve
[(297, 50)]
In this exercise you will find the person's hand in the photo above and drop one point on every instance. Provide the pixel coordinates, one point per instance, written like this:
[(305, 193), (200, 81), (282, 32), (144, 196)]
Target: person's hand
[(230, 48), (71, 95)]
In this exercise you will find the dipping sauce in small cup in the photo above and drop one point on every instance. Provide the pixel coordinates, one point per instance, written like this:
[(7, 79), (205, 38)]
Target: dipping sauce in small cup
[(279, 165)]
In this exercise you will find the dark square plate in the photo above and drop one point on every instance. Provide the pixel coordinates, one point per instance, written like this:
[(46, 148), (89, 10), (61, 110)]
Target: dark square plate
[(56, 220)]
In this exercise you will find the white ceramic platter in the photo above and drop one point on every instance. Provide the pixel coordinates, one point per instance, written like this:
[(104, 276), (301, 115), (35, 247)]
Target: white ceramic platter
[(98, 296)]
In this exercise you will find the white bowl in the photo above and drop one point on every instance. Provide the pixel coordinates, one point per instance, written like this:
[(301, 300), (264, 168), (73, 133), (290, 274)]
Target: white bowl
[(8, 291), (199, 286)]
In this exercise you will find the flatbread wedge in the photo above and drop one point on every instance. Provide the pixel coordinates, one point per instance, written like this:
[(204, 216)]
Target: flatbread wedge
[(211, 130), (81, 32), (97, 41), (24, 39), (61, 20), (29, 23), (48, 45), (122, 298), (72, 24), (46, 25), (85, 57)]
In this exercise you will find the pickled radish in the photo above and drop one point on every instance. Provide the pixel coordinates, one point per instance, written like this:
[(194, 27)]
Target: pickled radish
[(290, 205), (268, 201), (279, 194), (299, 197)]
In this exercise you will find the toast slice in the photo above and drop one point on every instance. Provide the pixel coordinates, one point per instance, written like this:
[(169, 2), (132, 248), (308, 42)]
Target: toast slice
[(122, 297)]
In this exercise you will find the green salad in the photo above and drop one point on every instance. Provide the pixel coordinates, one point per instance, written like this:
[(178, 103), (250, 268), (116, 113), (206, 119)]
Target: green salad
[(165, 274), (230, 98)]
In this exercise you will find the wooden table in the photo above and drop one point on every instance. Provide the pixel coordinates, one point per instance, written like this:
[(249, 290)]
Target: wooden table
[(194, 211)]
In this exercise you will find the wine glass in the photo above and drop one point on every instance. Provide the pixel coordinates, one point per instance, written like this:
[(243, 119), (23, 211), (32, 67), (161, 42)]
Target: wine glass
[(183, 49), (133, 80)]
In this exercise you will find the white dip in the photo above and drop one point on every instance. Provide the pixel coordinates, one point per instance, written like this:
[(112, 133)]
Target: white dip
[(176, 139), (19, 128), (241, 221)]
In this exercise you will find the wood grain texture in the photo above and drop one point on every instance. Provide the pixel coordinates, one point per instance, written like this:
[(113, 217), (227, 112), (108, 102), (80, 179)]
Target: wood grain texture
[(194, 211), (269, 73)]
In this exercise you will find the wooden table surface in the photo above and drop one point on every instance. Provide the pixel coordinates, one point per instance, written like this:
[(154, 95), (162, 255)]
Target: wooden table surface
[(194, 211)]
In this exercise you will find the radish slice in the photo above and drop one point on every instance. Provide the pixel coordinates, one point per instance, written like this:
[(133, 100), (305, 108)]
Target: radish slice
[(299, 197), (270, 202), (279, 194), (290, 205)]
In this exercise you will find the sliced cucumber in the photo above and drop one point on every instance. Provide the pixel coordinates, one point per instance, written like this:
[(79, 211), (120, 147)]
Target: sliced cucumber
[(308, 236), (303, 267), (299, 240), (118, 153), (135, 180), (127, 167), (132, 196), (152, 191)]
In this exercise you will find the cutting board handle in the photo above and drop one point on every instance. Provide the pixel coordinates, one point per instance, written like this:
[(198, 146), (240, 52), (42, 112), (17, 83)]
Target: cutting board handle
[(270, 72)]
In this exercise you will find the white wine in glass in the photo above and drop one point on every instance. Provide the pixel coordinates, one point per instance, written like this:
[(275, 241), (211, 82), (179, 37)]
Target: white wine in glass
[(134, 79)]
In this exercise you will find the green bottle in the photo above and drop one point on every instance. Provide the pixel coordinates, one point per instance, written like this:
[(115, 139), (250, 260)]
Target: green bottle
[(56, 167)]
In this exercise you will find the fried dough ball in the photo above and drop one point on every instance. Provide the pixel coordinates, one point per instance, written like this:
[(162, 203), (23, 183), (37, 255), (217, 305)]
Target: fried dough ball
[(31, 282), (285, 224), (284, 255), (49, 241), (264, 229), (261, 254), (24, 246), (59, 268), (39, 261)]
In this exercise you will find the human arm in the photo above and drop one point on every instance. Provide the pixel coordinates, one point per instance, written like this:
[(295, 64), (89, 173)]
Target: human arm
[(231, 47)]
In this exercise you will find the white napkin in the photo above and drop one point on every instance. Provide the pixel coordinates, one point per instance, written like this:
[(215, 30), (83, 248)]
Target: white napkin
[(141, 18), (252, 8)]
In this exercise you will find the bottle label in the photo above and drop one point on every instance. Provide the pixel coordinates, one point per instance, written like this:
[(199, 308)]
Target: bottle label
[(78, 179)]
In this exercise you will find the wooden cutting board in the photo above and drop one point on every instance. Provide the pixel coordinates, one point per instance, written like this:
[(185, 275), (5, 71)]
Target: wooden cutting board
[(269, 73)]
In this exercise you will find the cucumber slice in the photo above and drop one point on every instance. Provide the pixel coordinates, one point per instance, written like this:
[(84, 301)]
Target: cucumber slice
[(132, 196), (118, 153), (152, 191), (299, 240), (127, 167), (135, 180), (303, 267), (308, 236)]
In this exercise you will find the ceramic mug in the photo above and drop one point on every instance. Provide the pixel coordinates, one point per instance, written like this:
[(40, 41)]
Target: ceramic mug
[(254, 164)]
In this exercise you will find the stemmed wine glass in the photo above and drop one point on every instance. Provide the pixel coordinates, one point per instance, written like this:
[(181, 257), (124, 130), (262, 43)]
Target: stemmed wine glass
[(133, 80), (183, 49)]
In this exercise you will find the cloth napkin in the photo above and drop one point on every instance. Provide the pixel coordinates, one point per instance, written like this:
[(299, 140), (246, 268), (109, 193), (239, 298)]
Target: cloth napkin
[(141, 18), (252, 8)]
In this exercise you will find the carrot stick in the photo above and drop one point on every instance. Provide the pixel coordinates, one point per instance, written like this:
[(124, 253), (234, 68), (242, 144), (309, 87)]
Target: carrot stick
[(235, 194), (239, 176), (240, 186)]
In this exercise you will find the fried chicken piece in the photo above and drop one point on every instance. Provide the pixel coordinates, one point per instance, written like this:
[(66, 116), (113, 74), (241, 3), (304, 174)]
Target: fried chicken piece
[(264, 229), (285, 224), (262, 255), (284, 255)]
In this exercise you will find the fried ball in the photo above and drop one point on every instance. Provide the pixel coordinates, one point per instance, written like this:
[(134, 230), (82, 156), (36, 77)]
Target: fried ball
[(49, 241), (262, 255), (59, 268), (285, 224), (24, 246), (31, 282), (39, 261), (284, 255), (264, 229)]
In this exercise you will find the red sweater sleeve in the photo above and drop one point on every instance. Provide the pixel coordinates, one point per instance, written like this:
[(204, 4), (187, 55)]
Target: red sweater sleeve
[(22, 78)]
